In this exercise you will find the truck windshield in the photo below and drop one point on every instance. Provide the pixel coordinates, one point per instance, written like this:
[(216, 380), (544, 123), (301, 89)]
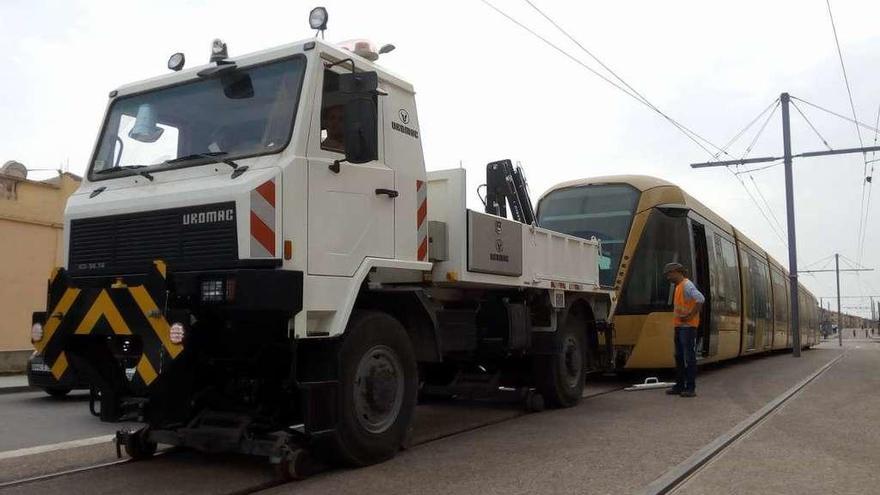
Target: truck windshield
[(241, 113), (601, 211)]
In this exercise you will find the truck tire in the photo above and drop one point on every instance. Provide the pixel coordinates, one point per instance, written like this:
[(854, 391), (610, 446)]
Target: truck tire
[(559, 377), (378, 388)]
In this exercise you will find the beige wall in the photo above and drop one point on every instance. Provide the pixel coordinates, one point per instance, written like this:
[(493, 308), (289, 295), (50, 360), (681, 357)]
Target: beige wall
[(31, 221)]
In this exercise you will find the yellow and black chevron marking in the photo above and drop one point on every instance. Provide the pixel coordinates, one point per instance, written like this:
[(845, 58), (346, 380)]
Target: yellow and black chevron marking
[(118, 310)]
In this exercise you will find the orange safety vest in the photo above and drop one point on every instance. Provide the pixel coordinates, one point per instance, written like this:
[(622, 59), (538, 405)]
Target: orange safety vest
[(683, 306)]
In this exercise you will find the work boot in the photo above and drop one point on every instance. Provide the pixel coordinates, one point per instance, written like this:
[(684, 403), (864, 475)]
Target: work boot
[(673, 391), (688, 393)]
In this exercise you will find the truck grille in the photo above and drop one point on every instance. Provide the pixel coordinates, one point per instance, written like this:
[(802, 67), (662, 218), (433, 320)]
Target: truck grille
[(193, 237)]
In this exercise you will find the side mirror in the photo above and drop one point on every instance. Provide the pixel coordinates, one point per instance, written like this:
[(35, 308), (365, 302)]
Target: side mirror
[(361, 130), (359, 83)]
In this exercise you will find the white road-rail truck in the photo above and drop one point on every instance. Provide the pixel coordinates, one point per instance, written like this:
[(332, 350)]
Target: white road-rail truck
[(257, 261)]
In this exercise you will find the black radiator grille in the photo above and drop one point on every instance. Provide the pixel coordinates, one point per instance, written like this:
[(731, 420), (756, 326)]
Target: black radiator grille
[(194, 237)]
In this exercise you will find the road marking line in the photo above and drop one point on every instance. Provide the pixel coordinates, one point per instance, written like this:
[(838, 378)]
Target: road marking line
[(40, 449)]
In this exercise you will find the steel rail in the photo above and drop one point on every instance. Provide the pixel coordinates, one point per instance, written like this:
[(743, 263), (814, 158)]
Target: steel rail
[(678, 475)]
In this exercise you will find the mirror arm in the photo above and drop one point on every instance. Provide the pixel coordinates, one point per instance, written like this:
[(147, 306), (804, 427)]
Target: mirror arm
[(334, 64)]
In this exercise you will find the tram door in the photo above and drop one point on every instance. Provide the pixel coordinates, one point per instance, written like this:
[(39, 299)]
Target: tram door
[(705, 346)]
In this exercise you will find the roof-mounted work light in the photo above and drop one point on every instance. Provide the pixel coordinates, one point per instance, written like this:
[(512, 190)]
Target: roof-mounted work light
[(318, 20), (176, 61), (218, 51)]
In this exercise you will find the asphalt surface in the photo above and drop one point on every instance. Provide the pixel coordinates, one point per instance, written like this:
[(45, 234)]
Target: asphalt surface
[(614, 442), (825, 440), (33, 418)]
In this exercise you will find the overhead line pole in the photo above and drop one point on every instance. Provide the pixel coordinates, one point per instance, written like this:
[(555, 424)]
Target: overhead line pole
[(792, 239), (837, 271), (785, 100)]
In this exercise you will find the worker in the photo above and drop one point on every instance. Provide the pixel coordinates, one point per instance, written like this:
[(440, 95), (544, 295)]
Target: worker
[(333, 127), (688, 302)]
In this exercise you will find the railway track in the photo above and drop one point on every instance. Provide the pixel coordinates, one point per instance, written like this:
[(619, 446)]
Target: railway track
[(34, 481), (678, 476)]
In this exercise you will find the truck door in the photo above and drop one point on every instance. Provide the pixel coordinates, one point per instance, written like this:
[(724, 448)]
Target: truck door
[(350, 213)]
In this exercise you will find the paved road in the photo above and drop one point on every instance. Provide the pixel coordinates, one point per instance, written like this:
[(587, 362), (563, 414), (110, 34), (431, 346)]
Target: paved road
[(612, 443), (33, 418)]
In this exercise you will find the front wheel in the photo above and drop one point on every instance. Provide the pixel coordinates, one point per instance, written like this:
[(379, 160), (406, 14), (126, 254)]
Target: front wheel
[(560, 376), (378, 389)]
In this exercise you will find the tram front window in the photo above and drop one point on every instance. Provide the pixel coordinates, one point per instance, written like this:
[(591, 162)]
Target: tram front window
[(646, 290), (602, 211)]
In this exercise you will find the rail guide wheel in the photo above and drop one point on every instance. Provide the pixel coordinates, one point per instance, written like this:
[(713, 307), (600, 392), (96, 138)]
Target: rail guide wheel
[(297, 464), (136, 444)]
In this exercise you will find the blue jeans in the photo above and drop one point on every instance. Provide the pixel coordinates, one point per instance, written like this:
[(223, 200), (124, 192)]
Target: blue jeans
[(686, 358)]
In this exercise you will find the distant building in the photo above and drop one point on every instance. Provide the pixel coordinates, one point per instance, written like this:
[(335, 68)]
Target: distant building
[(31, 228)]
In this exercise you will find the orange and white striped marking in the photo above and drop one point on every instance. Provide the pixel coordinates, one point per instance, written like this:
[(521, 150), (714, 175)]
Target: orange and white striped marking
[(263, 220), (422, 220)]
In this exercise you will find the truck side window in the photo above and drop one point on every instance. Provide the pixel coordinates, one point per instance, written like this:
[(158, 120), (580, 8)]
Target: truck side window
[(332, 114)]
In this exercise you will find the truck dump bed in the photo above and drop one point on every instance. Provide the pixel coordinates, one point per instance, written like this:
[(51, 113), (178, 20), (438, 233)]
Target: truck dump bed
[(470, 247)]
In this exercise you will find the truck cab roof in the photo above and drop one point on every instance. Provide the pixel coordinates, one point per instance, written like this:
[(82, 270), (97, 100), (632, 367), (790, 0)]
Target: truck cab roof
[(325, 50)]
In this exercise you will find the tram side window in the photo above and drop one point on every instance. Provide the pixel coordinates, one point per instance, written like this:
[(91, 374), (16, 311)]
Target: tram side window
[(665, 239), (725, 290), (780, 300), (760, 287)]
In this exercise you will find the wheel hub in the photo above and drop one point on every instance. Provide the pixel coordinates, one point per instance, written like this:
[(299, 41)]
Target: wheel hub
[(378, 390)]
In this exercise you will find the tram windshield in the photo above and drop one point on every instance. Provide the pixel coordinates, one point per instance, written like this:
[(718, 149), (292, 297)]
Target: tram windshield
[(603, 211)]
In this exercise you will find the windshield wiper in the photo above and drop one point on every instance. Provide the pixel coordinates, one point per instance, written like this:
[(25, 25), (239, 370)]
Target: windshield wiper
[(214, 155), (117, 168)]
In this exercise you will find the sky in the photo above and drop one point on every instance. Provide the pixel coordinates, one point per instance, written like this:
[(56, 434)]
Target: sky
[(487, 90)]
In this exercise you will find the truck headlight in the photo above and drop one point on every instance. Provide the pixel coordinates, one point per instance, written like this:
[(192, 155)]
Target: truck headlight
[(217, 290), (36, 332)]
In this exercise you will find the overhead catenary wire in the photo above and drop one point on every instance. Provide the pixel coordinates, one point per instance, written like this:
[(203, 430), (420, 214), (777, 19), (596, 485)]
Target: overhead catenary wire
[(627, 89), (862, 218), (693, 136), (760, 131), (761, 168), (832, 112), (818, 134), (619, 78), (766, 203)]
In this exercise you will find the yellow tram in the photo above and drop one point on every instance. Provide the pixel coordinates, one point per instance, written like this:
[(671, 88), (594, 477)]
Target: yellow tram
[(645, 222)]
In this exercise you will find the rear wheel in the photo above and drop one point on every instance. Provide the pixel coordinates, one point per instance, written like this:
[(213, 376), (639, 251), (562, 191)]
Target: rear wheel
[(560, 376), (378, 387)]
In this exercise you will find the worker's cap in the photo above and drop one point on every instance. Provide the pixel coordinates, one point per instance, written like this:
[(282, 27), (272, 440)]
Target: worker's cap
[(673, 267)]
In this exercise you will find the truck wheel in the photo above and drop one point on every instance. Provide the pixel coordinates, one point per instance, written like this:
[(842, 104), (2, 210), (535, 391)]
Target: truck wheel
[(57, 392), (378, 387), (560, 376)]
